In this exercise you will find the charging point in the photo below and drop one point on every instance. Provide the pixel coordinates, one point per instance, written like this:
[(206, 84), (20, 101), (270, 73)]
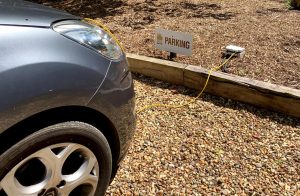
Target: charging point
[(238, 51), (232, 51)]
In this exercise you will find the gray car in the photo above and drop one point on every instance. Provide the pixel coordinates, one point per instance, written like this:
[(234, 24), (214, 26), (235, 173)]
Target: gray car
[(66, 103)]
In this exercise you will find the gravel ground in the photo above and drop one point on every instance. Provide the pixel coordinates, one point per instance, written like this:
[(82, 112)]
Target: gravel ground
[(215, 146)]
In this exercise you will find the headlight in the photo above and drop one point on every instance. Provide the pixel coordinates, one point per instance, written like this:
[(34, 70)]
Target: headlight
[(91, 36)]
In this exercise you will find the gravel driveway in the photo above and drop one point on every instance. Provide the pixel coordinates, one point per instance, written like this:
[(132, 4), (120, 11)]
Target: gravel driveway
[(215, 146)]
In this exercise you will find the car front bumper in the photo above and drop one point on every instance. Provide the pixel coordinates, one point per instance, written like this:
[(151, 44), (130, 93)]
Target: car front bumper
[(115, 98)]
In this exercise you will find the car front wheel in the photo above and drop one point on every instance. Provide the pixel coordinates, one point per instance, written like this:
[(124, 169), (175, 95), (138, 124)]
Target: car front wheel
[(71, 158)]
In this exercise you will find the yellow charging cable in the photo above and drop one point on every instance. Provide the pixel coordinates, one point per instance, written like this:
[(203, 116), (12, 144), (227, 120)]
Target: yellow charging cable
[(195, 98), (98, 23)]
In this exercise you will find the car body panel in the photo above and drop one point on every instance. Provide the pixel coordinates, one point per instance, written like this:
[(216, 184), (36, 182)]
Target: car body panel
[(116, 99), (17, 12), (45, 70)]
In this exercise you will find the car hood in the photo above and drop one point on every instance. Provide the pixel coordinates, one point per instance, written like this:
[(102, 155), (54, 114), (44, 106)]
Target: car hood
[(17, 12)]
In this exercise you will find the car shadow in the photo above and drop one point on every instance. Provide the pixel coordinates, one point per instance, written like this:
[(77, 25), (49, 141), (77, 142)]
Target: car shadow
[(221, 102)]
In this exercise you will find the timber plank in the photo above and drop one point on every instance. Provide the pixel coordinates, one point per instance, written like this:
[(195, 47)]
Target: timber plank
[(262, 94), (156, 68)]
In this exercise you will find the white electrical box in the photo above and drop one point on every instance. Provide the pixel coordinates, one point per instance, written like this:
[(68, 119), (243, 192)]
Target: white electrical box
[(240, 52)]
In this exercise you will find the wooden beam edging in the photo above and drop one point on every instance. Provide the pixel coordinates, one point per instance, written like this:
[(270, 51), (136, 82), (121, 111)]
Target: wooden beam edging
[(262, 94)]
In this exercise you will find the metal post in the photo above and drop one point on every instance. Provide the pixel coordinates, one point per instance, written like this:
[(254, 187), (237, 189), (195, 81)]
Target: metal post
[(172, 55)]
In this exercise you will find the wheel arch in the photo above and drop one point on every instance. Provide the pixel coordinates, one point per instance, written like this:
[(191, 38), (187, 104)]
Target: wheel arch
[(49, 117)]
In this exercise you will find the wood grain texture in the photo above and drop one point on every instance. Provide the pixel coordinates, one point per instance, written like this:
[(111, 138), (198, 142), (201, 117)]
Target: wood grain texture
[(160, 69), (262, 94)]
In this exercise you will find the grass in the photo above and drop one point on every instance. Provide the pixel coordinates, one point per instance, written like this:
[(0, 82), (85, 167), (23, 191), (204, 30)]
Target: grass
[(289, 4)]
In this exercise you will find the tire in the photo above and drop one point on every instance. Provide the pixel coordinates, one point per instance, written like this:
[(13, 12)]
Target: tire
[(70, 158)]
